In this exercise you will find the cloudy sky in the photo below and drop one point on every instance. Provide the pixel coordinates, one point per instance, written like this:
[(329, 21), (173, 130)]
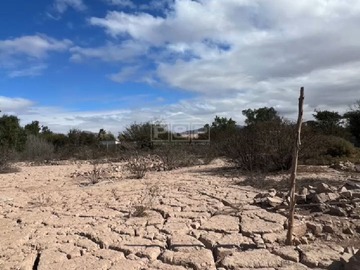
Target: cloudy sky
[(94, 64)]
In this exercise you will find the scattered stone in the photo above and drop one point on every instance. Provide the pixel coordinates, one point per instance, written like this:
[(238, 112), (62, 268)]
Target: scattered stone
[(274, 201), (314, 227), (337, 211)]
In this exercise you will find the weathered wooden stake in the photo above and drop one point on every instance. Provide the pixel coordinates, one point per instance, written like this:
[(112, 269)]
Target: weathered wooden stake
[(289, 237)]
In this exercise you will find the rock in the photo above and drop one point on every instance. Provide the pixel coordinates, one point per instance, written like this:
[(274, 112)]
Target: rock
[(274, 237), (221, 223), (320, 255), (324, 188), (274, 201), (337, 211), (314, 227), (354, 262), (272, 192), (251, 259), (348, 231), (299, 228), (328, 229), (259, 242), (304, 240), (346, 194), (196, 259), (184, 243), (325, 197), (213, 240), (287, 253), (350, 185), (260, 222), (292, 266)]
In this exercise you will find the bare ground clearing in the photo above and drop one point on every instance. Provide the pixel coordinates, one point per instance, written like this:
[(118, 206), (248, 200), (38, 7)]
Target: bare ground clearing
[(200, 217)]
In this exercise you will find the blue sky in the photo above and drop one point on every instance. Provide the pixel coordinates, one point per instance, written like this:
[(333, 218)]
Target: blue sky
[(94, 64)]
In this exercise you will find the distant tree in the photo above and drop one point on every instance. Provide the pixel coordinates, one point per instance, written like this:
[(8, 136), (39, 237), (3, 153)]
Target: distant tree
[(260, 115), (223, 123), (12, 135), (33, 128), (77, 137), (58, 140), (329, 123), (222, 128), (103, 135), (140, 133), (353, 121), (46, 131)]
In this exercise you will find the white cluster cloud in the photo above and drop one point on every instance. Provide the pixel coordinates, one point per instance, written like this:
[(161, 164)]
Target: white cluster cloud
[(261, 51), (36, 46), (62, 5), (233, 54), (122, 3), (16, 105), (25, 55)]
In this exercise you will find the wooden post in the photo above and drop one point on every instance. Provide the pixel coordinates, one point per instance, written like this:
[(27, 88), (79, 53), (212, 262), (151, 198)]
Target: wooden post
[(289, 240)]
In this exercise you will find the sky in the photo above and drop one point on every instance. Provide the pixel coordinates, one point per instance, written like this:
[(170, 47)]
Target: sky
[(92, 64)]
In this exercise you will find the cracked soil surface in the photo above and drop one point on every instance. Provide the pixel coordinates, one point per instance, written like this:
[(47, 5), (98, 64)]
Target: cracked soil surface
[(182, 219)]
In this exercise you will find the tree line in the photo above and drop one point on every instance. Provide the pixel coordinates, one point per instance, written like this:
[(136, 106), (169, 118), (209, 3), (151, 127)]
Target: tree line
[(265, 141)]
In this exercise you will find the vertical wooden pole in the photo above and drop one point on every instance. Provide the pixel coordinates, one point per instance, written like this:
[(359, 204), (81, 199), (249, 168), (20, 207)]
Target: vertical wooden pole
[(289, 240)]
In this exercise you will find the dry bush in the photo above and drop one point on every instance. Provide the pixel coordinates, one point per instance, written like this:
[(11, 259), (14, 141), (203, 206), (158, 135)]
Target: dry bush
[(37, 149), (177, 155), (264, 147), (95, 174), (137, 166), (147, 201), (6, 161)]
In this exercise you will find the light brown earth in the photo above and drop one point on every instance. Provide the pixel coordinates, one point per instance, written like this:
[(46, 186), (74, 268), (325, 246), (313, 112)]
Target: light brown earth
[(192, 218)]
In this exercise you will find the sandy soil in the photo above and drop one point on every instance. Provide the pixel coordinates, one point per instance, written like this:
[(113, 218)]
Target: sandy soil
[(53, 217)]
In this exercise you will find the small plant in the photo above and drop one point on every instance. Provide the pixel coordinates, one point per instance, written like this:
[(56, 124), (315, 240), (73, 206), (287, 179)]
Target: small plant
[(95, 174), (137, 166), (147, 201)]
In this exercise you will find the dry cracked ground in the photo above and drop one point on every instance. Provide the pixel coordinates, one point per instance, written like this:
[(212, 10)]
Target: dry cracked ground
[(203, 217)]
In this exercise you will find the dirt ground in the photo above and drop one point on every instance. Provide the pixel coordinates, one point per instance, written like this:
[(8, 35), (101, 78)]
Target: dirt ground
[(53, 217)]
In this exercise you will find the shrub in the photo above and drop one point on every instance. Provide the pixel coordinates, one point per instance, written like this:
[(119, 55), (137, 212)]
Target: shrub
[(263, 147), (6, 158), (137, 166), (37, 149), (338, 147), (177, 155)]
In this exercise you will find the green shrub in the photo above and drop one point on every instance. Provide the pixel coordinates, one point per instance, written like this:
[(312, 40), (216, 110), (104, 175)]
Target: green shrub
[(338, 147)]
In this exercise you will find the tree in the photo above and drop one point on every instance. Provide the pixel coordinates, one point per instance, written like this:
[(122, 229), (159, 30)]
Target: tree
[(222, 129), (33, 128), (103, 135), (260, 115), (353, 121), (12, 135), (138, 133), (222, 123), (329, 123), (81, 138)]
